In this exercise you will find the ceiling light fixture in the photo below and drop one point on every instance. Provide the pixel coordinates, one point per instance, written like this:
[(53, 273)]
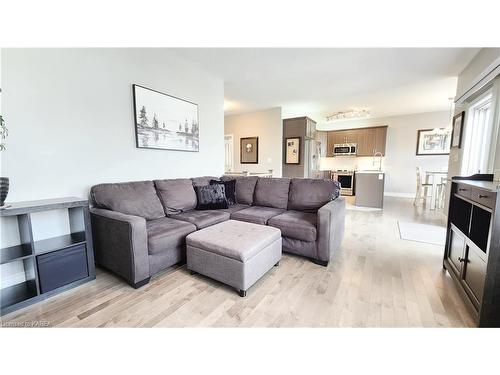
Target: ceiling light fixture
[(348, 115)]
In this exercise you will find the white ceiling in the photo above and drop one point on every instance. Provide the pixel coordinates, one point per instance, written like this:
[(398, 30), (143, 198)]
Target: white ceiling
[(319, 81)]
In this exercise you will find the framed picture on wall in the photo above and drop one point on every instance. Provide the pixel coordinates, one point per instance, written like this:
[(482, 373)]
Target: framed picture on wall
[(249, 150), (292, 147), (165, 122), (458, 127), (433, 141)]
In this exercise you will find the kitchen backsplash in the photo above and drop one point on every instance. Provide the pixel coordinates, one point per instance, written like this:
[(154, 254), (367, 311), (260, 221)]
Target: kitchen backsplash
[(348, 163)]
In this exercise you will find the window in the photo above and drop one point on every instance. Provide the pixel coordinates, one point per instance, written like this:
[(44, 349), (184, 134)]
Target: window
[(478, 136)]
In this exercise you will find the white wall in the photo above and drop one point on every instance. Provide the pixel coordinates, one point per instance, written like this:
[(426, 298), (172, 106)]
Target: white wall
[(479, 68), (401, 159), (267, 125), (486, 60), (70, 116)]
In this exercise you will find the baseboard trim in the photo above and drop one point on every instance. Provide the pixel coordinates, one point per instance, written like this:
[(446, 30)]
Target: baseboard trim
[(399, 195)]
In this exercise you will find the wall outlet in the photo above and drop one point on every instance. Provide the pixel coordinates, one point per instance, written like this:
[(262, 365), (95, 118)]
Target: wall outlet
[(496, 175)]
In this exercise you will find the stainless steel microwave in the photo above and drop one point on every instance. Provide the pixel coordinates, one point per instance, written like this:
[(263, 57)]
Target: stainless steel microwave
[(345, 149)]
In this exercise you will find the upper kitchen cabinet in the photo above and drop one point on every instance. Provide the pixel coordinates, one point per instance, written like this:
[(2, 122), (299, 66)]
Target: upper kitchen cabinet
[(372, 140), (369, 140)]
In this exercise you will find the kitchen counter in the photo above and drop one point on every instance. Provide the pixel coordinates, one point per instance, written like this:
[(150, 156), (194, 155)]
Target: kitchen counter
[(369, 188), (370, 171)]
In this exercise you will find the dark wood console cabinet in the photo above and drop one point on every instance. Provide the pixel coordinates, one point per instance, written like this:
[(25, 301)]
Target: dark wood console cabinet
[(472, 250)]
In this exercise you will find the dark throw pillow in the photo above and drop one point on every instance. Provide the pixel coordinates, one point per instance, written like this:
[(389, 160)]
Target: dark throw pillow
[(210, 197), (229, 188)]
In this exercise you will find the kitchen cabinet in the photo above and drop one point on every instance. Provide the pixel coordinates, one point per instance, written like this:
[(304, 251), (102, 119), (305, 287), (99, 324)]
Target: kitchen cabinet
[(380, 139), (368, 140)]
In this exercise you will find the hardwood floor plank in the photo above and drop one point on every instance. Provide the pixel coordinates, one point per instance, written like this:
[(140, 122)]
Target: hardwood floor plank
[(374, 280)]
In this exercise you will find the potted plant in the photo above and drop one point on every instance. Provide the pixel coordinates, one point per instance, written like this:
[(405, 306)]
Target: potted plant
[(4, 181)]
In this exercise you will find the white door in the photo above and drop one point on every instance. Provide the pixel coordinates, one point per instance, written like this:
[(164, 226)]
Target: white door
[(228, 153)]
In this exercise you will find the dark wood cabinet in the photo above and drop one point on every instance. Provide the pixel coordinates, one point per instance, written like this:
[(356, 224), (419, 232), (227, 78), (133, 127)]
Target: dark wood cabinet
[(368, 140), (456, 252), (472, 250)]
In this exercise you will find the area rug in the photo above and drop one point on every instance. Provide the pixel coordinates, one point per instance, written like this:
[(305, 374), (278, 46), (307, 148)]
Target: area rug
[(433, 234)]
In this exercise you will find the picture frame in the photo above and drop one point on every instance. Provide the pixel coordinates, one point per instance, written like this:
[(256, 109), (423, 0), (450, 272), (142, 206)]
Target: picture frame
[(433, 142), (292, 150), (458, 128), (164, 122), (249, 150)]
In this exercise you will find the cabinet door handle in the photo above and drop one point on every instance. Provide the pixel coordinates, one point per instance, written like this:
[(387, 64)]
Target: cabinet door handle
[(482, 196)]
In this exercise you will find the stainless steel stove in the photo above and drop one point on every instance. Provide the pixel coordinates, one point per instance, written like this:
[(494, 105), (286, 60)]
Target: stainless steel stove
[(346, 180)]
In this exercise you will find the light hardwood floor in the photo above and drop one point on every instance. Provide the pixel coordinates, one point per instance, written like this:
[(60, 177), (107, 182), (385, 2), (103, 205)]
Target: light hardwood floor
[(375, 280)]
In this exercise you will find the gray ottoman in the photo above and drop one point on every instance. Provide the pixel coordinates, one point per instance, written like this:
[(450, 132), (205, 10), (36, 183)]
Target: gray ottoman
[(235, 253)]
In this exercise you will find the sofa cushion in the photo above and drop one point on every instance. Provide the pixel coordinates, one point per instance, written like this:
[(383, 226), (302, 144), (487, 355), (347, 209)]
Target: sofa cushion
[(307, 194), (296, 224), (132, 198), (210, 197), (256, 214), (177, 195), (167, 233), (203, 219), (272, 192), (229, 189), (245, 187), (236, 207), (202, 181)]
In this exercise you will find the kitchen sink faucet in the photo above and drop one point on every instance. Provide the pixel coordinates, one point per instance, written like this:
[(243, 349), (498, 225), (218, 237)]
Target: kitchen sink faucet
[(379, 154)]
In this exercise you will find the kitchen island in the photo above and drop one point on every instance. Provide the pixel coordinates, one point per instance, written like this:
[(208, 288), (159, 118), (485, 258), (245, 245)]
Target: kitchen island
[(369, 187)]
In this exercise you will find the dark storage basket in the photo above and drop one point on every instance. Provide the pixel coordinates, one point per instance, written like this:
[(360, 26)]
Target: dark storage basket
[(62, 267)]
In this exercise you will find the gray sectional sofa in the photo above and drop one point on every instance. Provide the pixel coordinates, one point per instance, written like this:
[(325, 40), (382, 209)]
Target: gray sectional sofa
[(140, 228)]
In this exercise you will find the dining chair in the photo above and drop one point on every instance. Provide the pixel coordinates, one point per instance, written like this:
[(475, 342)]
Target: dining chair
[(422, 189), (442, 193)]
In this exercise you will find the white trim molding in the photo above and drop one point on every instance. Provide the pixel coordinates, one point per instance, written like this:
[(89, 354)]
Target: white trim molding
[(399, 195)]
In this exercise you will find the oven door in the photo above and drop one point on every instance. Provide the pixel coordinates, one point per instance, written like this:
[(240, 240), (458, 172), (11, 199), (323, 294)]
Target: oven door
[(345, 181)]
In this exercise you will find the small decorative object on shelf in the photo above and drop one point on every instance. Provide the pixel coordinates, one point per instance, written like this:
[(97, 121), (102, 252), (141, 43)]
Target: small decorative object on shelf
[(4, 181), (51, 265)]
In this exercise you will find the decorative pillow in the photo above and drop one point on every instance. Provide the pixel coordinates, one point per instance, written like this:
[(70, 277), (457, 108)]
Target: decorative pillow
[(202, 181), (229, 188), (211, 197)]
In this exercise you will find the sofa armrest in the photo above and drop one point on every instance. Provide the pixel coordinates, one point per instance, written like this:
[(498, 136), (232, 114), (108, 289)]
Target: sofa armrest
[(121, 244), (331, 225)]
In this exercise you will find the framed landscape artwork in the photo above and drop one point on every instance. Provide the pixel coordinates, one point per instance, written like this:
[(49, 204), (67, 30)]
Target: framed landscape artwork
[(433, 142), (249, 150), (165, 122), (292, 155), (458, 125)]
